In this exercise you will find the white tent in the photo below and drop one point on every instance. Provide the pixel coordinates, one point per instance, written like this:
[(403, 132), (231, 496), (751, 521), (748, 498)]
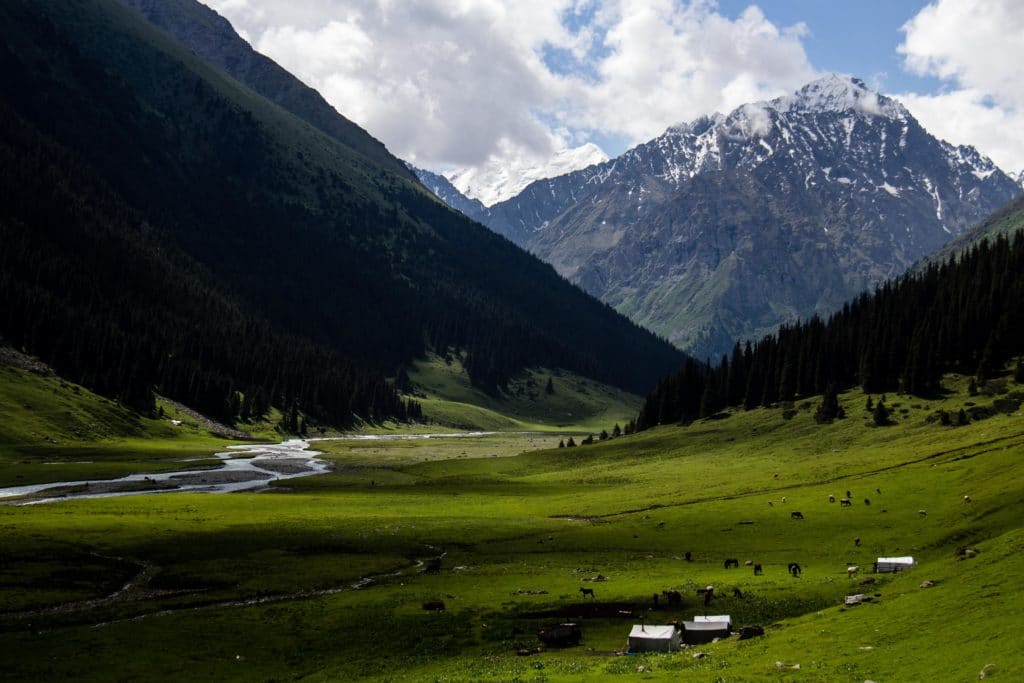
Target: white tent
[(716, 618), (893, 564), (653, 638), (700, 632)]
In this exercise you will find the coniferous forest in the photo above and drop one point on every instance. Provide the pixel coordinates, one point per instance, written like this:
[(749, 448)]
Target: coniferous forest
[(165, 229), (965, 315)]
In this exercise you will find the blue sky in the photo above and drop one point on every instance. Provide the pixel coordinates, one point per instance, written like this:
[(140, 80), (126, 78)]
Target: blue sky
[(860, 38), (500, 86)]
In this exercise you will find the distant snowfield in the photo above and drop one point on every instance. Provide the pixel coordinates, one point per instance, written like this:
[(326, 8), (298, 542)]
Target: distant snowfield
[(501, 179)]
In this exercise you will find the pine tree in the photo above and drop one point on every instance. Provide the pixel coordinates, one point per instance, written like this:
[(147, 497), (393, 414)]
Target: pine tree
[(869, 405), (604, 435), (561, 443), (616, 431), (550, 388), (570, 443), (587, 441), (829, 408), (881, 414)]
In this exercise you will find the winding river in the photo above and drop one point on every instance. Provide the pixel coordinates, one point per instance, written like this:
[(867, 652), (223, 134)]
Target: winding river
[(243, 468)]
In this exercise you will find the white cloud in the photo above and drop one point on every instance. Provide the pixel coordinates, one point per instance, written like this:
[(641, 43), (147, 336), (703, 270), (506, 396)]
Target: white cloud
[(974, 46), (448, 83)]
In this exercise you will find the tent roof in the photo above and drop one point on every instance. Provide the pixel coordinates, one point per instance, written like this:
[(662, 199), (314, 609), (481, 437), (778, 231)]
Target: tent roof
[(705, 626), (653, 631), (896, 560), (714, 618)]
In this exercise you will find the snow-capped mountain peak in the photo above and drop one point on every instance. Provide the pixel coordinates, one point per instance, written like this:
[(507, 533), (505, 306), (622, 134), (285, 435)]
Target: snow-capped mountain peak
[(839, 93), (502, 178)]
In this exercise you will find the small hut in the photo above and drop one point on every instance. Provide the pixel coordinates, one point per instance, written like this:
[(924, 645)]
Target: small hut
[(717, 618), (653, 638), (700, 632), (886, 565)]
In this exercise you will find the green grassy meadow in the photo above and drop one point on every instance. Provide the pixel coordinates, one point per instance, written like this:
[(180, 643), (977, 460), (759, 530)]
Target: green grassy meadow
[(259, 586)]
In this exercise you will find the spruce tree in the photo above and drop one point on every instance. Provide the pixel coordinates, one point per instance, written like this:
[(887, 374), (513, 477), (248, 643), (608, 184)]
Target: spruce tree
[(881, 414), (829, 408), (550, 388), (570, 443), (616, 431)]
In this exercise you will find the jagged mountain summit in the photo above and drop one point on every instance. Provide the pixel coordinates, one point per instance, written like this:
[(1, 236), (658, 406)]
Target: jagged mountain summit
[(724, 227), (502, 179)]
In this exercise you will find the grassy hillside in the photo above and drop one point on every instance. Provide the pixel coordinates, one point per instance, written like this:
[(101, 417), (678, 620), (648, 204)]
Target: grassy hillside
[(1005, 221), (578, 404), (247, 586)]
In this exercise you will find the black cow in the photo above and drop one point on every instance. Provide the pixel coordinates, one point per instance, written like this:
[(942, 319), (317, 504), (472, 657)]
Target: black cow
[(757, 570), (732, 562), (796, 514), (794, 569)]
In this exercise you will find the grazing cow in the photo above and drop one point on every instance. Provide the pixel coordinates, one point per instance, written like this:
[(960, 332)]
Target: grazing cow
[(796, 515), (922, 513), (737, 593), (588, 591), (661, 525), (688, 556), (967, 499), (856, 541), (783, 499), (852, 571), (848, 494), (748, 632), (673, 598), (878, 491), (845, 502), (757, 570), (709, 593), (831, 498), (748, 563), (867, 501), (794, 569), (731, 562), (771, 504)]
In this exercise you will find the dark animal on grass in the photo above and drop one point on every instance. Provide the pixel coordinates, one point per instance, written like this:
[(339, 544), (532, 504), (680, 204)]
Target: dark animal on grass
[(771, 504), (434, 605), (757, 570), (795, 514), (732, 562), (878, 491), (856, 541), (688, 556), (831, 498), (794, 569), (562, 635), (867, 501), (709, 593), (967, 499), (737, 593), (588, 591), (845, 502), (748, 563), (848, 494), (661, 525), (673, 598), (748, 632), (922, 513)]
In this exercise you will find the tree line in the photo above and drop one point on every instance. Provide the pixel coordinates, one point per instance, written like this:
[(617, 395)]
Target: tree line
[(965, 315)]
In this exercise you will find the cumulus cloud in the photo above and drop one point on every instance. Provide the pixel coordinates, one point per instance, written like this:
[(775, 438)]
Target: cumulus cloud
[(974, 47), (448, 83)]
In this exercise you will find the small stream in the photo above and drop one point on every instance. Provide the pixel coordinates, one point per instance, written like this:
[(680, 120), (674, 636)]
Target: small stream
[(243, 468)]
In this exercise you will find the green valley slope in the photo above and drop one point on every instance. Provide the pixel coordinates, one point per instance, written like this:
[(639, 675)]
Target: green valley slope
[(171, 229)]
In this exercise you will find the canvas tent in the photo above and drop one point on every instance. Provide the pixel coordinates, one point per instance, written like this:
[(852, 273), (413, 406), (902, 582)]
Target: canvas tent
[(893, 564), (700, 632), (653, 638), (719, 618)]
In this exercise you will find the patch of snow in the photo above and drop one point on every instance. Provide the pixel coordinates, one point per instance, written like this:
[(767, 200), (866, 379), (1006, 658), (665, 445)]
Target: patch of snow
[(890, 189)]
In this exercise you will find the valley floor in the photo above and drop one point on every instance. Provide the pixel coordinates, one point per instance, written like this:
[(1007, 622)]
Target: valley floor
[(326, 577)]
